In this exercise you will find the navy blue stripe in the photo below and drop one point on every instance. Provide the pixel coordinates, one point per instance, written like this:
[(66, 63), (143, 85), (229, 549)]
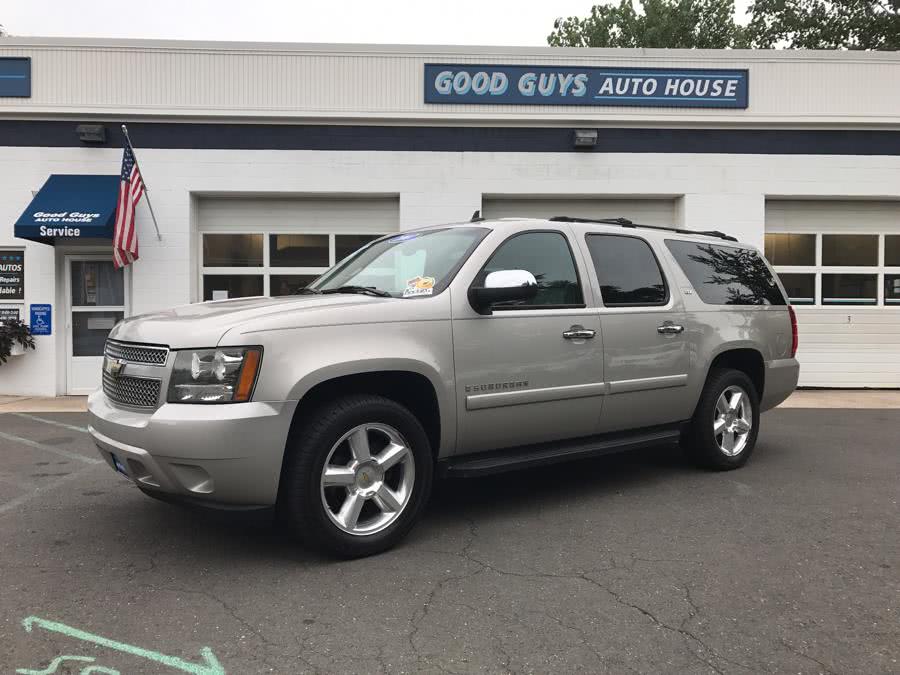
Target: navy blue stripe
[(456, 139)]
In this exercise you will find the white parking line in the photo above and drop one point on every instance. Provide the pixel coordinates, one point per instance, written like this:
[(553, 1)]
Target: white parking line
[(49, 448), (53, 422), (22, 499)]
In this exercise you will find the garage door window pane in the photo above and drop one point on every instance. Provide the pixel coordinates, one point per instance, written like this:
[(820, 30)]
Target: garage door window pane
[(850, 250), (288, 284), (89, 331), (627, 271), (849, 289), (791, 249), (226, 286), (892, 289), (892, 250), (800, 288), (298, 250), (345, 244), (232, 250)]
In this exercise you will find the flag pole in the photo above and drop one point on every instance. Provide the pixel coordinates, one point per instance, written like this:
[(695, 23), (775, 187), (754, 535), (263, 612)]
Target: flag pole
[(146, 189)]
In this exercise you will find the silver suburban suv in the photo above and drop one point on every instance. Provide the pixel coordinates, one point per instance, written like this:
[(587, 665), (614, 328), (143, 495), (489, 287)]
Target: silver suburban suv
[(454, 350)]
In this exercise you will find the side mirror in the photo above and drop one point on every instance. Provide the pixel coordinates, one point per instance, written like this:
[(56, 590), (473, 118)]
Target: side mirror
[(502, 286)]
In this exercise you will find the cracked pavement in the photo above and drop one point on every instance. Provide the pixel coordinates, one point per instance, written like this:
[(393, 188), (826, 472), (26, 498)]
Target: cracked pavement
[(636, 563)]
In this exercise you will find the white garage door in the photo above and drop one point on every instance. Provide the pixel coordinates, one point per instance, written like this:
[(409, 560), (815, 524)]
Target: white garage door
[(273, 246), (840, 263), (646, 211)]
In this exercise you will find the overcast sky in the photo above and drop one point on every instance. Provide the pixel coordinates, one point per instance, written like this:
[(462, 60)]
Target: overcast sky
[(472, 22)]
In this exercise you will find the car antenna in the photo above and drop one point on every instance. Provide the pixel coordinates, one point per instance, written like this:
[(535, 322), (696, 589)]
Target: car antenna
[(476, 217)]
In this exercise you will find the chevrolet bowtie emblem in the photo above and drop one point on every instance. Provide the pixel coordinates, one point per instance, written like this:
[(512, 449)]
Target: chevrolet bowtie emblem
[(113, 367)]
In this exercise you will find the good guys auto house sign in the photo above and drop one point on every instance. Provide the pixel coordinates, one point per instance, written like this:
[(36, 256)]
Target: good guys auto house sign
[(555, 85)]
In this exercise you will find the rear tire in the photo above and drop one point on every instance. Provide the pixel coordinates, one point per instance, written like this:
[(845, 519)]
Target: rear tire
[(723, 431), (357, 476)]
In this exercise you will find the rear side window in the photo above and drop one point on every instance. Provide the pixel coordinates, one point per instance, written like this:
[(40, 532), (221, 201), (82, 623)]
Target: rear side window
[(627, 270), (726, 275)]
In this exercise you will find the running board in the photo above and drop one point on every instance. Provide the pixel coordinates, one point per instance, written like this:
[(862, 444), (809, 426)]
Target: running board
[(540, 454)]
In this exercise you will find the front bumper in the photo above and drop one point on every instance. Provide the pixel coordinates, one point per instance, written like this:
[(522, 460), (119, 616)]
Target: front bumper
[(228, 454)]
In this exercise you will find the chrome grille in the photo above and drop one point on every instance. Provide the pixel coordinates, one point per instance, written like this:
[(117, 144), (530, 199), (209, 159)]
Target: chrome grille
[(140, 392), (137, 353)]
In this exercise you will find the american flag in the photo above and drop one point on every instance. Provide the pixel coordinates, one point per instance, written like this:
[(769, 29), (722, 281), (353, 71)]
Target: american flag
[(131, 188)]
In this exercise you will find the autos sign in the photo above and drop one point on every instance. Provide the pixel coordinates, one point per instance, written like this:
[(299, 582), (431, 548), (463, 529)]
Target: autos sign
[(12, 275), (561, 85)]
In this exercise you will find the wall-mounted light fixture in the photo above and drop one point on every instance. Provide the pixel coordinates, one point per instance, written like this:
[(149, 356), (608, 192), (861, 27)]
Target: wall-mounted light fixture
[(91, 133), (585, 138)]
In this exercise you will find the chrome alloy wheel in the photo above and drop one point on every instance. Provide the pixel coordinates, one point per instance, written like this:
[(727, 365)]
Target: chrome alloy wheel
[(367, 479), (733, 421)]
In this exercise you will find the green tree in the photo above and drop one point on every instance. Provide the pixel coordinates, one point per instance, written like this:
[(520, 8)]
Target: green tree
[(825, 24), (710, 24), (701, 24)]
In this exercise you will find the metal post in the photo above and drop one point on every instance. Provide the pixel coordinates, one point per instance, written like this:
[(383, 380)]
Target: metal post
[(146, 189)]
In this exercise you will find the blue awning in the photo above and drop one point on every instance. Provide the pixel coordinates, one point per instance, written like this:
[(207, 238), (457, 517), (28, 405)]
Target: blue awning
[(71, 207)]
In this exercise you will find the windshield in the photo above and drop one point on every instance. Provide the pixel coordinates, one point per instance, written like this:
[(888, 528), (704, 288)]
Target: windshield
[(410, 265)]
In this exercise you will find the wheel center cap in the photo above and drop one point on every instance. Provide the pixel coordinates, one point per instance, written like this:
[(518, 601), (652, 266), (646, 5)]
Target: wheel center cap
[(367, 476)]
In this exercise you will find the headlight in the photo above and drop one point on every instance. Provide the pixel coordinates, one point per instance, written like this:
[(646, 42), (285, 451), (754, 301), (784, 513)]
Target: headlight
[(224, 375)]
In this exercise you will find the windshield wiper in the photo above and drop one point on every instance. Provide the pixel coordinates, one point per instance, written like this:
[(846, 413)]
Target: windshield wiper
[(307, 291), (361, 290)]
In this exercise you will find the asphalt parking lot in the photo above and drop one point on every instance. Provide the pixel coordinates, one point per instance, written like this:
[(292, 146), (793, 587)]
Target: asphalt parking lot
[(632, 563)]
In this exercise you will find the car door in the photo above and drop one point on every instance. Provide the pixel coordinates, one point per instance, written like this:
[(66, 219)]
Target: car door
[(646, 355), (532, 371)]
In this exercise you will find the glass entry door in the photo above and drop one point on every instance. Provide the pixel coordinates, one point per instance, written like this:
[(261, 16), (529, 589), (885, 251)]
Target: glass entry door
[(97, 301)]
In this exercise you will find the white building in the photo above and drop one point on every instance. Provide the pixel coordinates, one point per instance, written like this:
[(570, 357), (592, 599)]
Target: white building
[(268, 162)]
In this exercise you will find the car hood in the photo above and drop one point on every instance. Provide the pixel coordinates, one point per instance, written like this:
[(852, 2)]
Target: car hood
[(203, 324)]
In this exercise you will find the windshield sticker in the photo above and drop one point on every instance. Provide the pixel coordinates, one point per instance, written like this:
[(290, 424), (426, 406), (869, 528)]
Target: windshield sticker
[(402, 237), (419, 286)]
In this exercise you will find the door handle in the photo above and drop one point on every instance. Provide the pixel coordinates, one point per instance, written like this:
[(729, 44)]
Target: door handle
[(579, 333), (669, 328)]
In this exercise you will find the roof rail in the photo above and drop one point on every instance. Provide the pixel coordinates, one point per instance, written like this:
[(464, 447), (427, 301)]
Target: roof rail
[(624, 222)]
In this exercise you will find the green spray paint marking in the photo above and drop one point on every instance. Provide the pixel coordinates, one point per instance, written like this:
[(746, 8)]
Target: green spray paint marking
[(210, 665), (59, 660)]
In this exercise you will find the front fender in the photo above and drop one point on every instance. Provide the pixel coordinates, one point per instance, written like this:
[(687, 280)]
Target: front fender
[(296, 360)]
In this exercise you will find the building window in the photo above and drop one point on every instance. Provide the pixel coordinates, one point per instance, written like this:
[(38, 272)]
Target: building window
[(849, 289), (345, 244), (892, 250), (801, 288), (845, 269), (298, 250), (791, 249), (225, 286), (892, 289), (232, 250), (849, 250), (240, 265)]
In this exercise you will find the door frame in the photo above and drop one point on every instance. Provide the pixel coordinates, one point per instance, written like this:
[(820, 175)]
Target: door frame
[(69, 310)]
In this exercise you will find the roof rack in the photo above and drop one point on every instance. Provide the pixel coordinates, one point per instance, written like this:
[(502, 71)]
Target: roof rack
[(624, 222)]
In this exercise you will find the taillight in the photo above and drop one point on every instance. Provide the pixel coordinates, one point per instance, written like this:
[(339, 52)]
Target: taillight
[(795, 340)]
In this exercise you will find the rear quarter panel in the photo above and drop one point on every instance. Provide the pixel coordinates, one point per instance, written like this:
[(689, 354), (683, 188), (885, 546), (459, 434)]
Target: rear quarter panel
[(714, 329)]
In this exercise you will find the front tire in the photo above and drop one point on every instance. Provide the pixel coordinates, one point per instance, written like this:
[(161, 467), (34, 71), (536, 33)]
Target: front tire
[(723, 431), (357, 476)]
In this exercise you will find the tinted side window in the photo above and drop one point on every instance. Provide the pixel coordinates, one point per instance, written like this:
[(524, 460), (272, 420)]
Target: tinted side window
[(726, 275), (627, 271), (548, 257)]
